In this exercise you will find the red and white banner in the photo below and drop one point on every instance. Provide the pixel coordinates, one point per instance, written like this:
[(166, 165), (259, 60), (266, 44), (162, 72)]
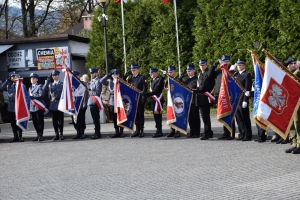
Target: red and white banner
[(98, 102), (118, 103), (66, 102), (171, 118), (280, 97), (40, 105), (158, 109), (210, 97), (22, 105)]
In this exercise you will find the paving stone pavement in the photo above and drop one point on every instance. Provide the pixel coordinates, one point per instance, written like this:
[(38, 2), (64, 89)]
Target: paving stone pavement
[(147, 168)]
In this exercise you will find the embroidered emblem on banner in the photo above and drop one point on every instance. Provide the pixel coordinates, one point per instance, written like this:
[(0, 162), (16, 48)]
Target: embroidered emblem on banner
[(127, 104)]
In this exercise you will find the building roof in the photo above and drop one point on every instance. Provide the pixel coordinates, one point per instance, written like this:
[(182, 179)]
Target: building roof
[(45, 39), (75, 29)]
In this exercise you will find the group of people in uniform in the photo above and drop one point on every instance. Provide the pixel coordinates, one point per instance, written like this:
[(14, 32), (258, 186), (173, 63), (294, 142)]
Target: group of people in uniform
[(205, 87)]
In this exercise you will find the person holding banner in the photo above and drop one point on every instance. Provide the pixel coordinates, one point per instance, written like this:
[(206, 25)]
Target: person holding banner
[(204, 98), (194, 118), (10, 86), (37, 106), (110, 87), (243, 114), (55, 88), (172, 73), (140, 82), (157, 99), (218, 76), (94, 101)]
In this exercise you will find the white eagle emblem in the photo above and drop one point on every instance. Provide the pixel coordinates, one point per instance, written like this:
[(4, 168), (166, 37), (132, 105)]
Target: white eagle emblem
[(277, 99)]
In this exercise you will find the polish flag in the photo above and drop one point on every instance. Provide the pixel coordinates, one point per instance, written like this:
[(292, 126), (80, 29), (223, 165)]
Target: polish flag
[(118, 103), (280, 97), (171, 118)]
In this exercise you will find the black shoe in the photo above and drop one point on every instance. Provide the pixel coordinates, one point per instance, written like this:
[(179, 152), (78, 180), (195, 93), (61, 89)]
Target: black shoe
[(204, 137), (76, 137), (41, 138), (230, 138), (14, 140), (261, 140), (241, 137), (296, 151), (55, 138), (177, 134), (35, 139), (115, 136), (290, 150), (135, 134), (95, 137), (171, 134), (211, 135), (255, 140), (279, 141), (61, 137), (247, 139), (223, 137), (21, 140), (275, 138), (141, 134), (156, 135), (285, 141)]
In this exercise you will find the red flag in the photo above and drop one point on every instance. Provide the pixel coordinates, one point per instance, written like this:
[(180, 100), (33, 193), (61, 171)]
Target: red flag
[(170, 110), (165, 1), (224, 106), (118, 103)]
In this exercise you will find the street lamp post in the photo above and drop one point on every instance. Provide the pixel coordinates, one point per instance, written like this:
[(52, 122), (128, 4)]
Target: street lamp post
[(104, 17)]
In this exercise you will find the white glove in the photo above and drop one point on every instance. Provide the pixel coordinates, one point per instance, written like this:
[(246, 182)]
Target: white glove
[(247, 93), (233, 67), (245, 104)]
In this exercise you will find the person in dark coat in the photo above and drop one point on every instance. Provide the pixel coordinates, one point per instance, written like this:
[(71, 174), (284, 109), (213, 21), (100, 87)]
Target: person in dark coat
[(140, 82), (243, 115), (194, 118), (37, 111), (172, 73), (218, 76), (55, 89), (157, 99), (10, 86), (206, 83)]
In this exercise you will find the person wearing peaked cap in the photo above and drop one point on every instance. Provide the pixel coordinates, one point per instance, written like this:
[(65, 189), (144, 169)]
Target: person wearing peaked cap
[(140, 82), (205, 85), (115, 74), (157, 99), (292, 64), (76, 73), (37, 107), (55, 89), (10, 86), (218, 76), (243, 114), (194, 118), (93, 101)]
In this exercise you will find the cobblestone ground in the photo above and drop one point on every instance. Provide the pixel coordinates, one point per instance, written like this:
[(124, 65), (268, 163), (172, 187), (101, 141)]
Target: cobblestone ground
[(147, 168)]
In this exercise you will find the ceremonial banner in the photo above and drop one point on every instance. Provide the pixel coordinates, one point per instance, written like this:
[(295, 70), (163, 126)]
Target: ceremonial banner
[(118, 103), (259, 70), (22, 105), (279, 100), (130, 98), (229, 98), (179, 103), (72, 95)]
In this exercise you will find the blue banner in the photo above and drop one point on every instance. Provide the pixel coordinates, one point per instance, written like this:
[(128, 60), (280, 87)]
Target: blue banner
[(130, 98), (181, 99)]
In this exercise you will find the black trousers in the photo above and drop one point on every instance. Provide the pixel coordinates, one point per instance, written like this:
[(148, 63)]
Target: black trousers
[(114, 117), (194, 120), (140, 118), (227, 132), (80, 125), (13, 122), (96, 116), (58, 120), (243, 120), (38, 121), (261, 133), (205, 113)]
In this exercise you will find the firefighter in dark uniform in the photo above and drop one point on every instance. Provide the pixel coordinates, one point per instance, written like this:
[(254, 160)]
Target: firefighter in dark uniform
[(140, 82), (119, 131), (172, 73), (218, 76), (243, 115), (36, 91), (80, 125), (10, 86), (95, 90), (55, 89), (157, 99), (194, 118), (206, 83)]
